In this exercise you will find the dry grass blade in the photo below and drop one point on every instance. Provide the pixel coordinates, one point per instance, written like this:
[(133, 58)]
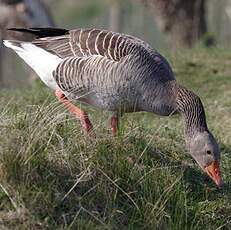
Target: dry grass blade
[(117, 186), (79, 179), (9, 197)]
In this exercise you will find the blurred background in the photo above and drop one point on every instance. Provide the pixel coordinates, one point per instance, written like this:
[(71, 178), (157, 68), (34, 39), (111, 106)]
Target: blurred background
[(168, 25)]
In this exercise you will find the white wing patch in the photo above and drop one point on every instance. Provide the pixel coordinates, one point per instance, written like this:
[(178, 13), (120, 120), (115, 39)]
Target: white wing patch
[(41, 61)]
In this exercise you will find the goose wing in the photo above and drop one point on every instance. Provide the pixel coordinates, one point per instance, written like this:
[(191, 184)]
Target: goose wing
[(87, 42)]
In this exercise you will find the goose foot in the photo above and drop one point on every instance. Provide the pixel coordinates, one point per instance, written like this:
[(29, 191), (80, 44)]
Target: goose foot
[(77, 112), (114, 125)]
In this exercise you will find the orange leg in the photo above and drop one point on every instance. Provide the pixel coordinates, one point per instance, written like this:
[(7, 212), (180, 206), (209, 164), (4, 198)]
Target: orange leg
[(114, 125), (78, 113)]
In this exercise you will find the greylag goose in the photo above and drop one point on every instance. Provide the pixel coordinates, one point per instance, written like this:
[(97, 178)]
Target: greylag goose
[(119, 73)]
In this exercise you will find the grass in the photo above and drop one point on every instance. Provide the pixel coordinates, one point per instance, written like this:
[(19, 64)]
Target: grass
[(54, 177)]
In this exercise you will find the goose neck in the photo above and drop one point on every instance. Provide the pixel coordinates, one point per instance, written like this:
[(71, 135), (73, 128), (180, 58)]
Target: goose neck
[(191, 107)]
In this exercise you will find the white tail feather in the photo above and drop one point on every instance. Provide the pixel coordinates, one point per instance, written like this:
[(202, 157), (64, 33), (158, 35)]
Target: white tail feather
[(41, 61)]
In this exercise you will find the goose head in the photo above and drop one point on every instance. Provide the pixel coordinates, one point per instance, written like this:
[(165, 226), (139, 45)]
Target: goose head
[(203, 147)]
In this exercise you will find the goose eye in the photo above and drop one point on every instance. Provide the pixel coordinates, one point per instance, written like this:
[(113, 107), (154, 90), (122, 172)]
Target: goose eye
[(209, 152)]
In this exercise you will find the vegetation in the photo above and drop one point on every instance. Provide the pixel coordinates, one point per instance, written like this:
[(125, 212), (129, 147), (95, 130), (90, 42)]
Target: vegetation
[(54, 177)]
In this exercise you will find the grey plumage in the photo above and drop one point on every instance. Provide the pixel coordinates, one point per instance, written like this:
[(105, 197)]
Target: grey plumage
[(122, 73), (114, 68)]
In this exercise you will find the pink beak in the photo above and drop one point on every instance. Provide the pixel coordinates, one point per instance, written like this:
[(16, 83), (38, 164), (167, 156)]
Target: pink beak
[(213, 170)]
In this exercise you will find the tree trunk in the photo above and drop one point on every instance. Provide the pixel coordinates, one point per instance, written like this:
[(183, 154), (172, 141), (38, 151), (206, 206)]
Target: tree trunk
[(8, 18), (116, 16), (20, 13), (1, 71), (182, 20)]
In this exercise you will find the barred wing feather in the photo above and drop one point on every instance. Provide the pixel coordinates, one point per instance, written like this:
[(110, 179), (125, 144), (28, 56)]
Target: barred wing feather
[(86, 42)]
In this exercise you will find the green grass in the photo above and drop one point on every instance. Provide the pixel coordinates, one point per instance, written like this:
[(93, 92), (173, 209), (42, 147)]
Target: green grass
[(54, 177)]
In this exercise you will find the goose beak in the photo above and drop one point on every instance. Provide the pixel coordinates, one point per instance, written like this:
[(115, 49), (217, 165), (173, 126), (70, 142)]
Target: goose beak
[(213, 170)]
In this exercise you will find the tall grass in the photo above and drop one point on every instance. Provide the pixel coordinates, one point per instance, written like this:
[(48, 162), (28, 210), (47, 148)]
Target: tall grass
[(54, 177)]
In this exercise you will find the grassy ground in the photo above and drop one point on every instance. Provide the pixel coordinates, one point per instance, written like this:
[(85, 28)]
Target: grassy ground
[(53, 177)]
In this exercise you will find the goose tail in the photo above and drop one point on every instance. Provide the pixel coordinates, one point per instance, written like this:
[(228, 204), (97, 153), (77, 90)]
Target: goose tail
[(41, 61)]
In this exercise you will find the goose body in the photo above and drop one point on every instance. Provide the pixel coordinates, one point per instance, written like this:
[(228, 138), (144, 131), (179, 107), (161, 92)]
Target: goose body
[(105, 69), (119, 73)]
